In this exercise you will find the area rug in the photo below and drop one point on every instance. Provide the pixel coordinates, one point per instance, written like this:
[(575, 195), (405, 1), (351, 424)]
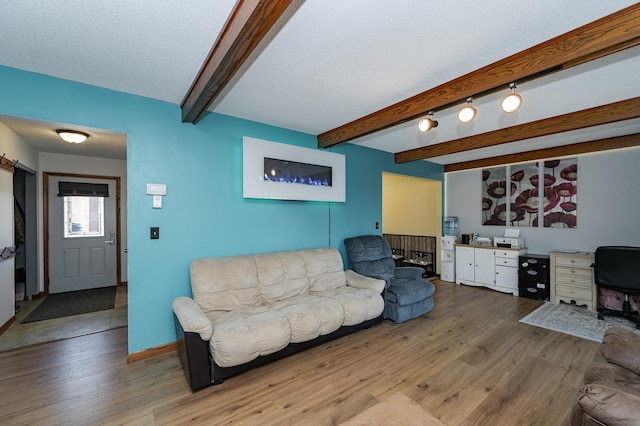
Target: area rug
[(70, 303), (397, 410), (574, 320)]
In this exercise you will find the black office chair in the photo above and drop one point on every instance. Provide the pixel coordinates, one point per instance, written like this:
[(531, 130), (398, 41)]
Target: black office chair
[(618, 268)]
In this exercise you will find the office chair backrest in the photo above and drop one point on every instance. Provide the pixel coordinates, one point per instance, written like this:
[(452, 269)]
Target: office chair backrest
[(618, 268)]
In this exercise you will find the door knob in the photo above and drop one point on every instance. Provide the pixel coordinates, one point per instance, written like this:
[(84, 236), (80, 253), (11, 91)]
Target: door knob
[(112, 240)]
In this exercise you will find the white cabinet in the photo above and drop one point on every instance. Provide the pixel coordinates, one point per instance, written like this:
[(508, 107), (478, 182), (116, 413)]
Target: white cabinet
[(465, 264), (492, 267), (474, 266), (507, 270), (484, 266)]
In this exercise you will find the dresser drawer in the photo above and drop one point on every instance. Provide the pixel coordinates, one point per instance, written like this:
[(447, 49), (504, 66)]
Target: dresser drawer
[(578, 302), (573, 293), (580, 262), (575, 281), (574, 272)]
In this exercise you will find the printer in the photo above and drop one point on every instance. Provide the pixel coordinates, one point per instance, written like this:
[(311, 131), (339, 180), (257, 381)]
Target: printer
[(511, 239)]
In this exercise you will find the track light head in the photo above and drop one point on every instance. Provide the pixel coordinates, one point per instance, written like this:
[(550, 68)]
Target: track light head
[(468, 112), (512, 102), (427, 123)]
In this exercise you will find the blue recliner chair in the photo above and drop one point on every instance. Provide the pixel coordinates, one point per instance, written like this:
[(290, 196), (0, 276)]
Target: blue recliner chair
[(406, 295)]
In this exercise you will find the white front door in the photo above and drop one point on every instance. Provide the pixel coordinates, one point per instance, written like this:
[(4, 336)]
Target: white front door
[(82, 237)]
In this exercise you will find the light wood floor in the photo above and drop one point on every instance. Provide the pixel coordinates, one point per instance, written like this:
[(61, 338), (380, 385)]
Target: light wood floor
[(468, 362)]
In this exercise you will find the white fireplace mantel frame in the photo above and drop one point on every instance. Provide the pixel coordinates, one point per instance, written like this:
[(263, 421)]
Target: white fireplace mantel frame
[(254, 185)]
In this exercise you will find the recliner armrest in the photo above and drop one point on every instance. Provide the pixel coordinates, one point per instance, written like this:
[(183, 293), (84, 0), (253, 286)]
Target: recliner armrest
[(622, 347), (409, 272), (360, 281), (609, 405), (191, 317)]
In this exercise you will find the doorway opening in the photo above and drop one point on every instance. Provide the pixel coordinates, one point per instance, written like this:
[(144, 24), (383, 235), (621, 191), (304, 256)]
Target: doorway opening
[(25, 219), (412, 206)]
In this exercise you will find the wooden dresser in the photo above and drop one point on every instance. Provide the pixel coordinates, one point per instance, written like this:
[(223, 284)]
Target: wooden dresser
[(572, 279)]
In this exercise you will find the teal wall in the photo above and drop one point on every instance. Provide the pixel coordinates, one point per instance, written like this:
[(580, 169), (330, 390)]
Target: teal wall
[(203, 212)]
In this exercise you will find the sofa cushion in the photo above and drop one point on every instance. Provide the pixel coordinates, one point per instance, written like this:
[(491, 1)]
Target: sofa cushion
[(324, 268), (225, 283), (406, 291), (311, 316), (242, 335), (359, 304), (281, 275)]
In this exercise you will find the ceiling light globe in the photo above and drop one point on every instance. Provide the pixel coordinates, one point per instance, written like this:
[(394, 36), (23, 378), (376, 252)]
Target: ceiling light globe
[(511, 103), (72, 136), (466, 114)]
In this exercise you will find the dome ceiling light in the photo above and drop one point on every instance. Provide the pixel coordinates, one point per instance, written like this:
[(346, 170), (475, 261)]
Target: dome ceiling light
[(72, 136)]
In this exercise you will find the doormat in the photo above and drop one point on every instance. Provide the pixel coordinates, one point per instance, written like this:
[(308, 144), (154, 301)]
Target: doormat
[(70, 303), (575, 320)]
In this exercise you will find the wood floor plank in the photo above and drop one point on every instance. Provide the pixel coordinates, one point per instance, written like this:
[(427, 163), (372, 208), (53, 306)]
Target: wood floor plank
[(468, 362)]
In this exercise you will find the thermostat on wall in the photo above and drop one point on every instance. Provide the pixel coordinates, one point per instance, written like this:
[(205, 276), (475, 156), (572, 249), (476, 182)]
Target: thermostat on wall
[(156, 189)]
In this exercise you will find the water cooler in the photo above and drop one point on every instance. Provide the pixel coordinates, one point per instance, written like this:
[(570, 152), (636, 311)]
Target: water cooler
[(447, 258)]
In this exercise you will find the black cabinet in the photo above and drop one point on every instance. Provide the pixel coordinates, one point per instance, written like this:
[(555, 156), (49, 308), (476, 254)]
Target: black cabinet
[(533, 276)]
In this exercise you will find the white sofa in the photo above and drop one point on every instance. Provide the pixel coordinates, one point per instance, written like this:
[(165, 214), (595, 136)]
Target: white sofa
[(250, 310)]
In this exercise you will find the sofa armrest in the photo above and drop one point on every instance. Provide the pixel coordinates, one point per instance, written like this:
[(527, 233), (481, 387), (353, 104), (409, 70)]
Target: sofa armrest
[(609, 405), (360, 281), (191, 317), (409, 272)]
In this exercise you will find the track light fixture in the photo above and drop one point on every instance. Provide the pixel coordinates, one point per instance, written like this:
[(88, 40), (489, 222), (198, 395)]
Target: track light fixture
[(467, 113), (427, 123), (72, 136), (512, 102)]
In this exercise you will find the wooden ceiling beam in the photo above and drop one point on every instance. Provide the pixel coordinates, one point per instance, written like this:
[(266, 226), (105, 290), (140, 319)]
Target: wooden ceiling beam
[(247, 25), (596, 116), (603, 37), (606, 144)]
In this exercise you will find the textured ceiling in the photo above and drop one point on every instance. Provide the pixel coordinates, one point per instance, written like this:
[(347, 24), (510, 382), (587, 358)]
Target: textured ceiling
[(332, 62)]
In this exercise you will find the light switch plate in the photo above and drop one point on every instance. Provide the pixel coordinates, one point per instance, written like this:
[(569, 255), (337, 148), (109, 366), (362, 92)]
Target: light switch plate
[(156, 189)]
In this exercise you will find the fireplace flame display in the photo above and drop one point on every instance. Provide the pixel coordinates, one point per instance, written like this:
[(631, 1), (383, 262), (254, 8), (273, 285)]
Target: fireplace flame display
[(284, 171)]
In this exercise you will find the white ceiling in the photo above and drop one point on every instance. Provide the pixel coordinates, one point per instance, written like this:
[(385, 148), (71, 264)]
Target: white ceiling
[(334, 61)]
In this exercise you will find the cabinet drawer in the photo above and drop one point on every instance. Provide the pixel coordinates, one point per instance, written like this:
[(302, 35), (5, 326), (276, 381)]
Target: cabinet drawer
[(508, 253), (574, 272), (532, 274), (507, 261), (581, 262), (574, 293)]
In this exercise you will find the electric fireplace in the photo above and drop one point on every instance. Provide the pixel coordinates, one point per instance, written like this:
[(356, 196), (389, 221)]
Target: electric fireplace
[(288, 172)]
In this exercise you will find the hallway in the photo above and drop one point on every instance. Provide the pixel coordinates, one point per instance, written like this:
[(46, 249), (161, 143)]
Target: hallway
[(19, 335)]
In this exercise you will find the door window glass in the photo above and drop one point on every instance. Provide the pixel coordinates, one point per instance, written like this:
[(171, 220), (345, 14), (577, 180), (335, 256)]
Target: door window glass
[(83, 217)]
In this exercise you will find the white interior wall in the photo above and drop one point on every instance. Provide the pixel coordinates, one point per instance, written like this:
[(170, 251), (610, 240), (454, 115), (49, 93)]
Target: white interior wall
[(608, 205), (91, 166), (13, 148)]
